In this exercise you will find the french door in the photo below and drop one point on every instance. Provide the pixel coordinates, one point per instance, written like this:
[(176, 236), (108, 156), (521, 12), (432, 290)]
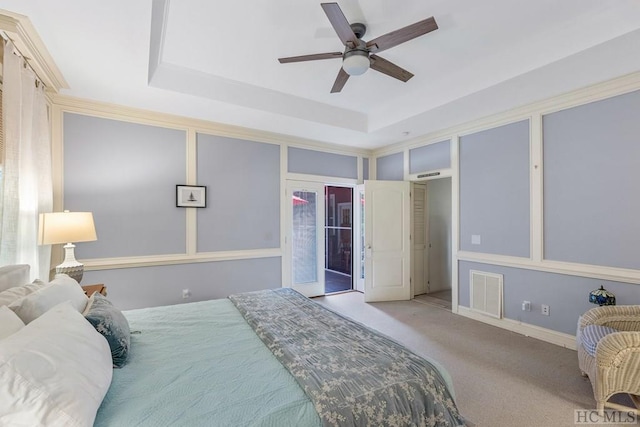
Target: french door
[(305, 237), (358, 238)]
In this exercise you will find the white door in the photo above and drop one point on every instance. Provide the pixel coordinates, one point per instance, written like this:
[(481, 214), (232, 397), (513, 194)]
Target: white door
[(387, 242), (358, 238), (419, 233), (305, 237)]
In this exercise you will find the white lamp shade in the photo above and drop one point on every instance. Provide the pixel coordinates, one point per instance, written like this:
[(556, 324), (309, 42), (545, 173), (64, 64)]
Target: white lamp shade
[(66, 227), (356, 64)]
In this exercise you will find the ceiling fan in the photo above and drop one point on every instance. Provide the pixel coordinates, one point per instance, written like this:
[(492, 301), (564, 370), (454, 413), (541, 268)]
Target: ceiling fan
[(360, 55)]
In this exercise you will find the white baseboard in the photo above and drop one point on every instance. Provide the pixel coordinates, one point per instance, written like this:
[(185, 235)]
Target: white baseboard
[(543, 334)]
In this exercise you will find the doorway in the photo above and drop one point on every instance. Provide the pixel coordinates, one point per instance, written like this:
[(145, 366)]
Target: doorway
[(338, 239), (432, 245)]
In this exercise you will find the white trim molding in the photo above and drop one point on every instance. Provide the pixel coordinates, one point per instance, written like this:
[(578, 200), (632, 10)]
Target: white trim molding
[(172, 259), (613, 274), (585, 95), (528, 330), (328, 180), (138, 115), (26, 39)]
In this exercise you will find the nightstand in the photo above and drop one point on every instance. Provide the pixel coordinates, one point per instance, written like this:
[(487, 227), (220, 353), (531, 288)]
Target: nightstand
[(90, 289)]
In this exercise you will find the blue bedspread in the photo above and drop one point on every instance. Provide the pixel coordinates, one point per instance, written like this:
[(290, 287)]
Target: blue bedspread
[(200, 364)]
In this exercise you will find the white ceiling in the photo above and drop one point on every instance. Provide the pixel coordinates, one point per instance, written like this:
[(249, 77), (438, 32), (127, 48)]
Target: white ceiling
[(217, 60)]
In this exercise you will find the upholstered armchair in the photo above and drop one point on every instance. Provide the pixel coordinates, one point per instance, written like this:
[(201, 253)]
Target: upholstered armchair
[(608, 341)]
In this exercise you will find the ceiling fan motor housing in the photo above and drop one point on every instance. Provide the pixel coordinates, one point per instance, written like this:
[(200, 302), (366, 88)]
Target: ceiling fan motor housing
[(359, 29), (356, 60)]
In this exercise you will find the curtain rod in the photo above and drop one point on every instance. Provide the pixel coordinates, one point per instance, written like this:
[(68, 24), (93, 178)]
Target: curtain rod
[(25, 59)]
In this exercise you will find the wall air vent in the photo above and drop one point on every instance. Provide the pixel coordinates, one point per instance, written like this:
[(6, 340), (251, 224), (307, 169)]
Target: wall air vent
[(486, 293)]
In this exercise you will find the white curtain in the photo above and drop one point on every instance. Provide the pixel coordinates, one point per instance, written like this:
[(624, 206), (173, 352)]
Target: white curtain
[(27, 188)]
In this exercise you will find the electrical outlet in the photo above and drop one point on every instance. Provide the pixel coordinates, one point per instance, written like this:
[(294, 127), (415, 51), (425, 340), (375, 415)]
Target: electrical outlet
[(186, 293), (526, 305), (545, 310)]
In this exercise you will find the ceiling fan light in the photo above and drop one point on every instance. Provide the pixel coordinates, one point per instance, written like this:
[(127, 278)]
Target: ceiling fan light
[(356, 62)]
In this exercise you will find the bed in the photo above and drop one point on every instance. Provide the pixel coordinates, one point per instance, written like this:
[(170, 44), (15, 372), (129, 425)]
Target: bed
[(267, 358)]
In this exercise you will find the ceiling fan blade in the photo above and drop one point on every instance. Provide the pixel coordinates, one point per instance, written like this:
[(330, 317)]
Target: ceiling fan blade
[(313, 57), (340, 81), (340, 24), (402, 35), (389, 68)]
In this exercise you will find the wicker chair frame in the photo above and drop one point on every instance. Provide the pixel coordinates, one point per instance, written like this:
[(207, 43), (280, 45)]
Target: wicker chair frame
[(616, 365)]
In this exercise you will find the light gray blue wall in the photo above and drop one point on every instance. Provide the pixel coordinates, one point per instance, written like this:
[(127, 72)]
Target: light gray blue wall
[(430, 157), (126, 174), (567, 296), (591, 183), (591, 174), (151, 286), (320, 163), (390, 168), (494, 190), (243, 190), (365, 168)]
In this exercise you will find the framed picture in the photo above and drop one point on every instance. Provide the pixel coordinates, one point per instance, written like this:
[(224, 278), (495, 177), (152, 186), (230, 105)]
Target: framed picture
[(191, 196)]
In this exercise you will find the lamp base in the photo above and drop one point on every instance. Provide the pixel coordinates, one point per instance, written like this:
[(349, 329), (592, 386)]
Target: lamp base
[(70, 266), (75, 273)]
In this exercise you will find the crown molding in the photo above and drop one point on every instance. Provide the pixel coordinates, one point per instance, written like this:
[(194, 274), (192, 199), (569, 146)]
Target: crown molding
[(138, 115), (595, 92), (24, 36)]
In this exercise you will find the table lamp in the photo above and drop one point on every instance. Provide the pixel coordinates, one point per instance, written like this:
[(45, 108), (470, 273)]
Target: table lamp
[(602, 297), (67, 227)]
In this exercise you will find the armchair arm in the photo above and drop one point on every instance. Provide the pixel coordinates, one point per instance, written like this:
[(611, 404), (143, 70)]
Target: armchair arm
[(620, 317), (618, 349)]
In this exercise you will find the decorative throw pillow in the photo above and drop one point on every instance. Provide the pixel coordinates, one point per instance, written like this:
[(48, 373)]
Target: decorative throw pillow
[(54, 372), (9, 322), (17, 292), (112, 324), (14, 275), (37, 303)]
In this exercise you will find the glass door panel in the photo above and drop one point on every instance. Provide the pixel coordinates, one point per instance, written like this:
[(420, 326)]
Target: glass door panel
[(358, 238), (339, 237), (305, 238)]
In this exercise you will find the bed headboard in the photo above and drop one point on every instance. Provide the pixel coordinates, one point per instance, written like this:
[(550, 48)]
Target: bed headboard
[(14, 275)]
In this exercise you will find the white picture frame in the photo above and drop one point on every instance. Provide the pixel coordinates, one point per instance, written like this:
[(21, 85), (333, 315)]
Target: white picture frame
[(191, 196)]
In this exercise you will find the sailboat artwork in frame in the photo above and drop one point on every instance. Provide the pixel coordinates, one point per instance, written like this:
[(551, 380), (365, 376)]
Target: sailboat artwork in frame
[(191, 196)]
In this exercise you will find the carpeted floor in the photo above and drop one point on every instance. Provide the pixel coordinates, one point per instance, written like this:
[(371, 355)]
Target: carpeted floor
[(440, 298), (501, 378)]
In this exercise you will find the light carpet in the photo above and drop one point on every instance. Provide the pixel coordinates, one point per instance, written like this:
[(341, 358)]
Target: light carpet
[(500, 378)]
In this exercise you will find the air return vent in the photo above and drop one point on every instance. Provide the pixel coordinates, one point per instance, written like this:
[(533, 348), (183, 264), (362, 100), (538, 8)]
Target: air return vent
[(486, 293)]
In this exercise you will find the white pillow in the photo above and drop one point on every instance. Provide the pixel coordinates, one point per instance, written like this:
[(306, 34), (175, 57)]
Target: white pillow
[(59, 290), (14, 275), (10, 323), (17, 292), (54, 372)]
